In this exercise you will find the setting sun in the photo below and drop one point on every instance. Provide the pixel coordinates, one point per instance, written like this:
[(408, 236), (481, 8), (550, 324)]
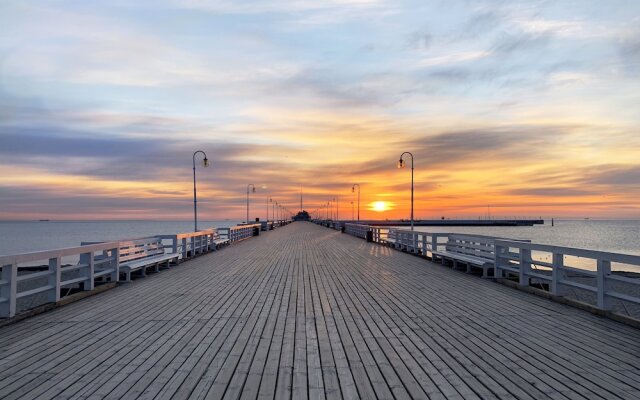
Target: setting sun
[(379, 206)]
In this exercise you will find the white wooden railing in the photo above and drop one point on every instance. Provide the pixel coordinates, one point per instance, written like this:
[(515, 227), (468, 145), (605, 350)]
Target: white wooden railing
[(357, 230), (562, 271), (190, 244), (240, 232), (555, 268), (378, 234), (32, 279), (416, 242), (40, 276)]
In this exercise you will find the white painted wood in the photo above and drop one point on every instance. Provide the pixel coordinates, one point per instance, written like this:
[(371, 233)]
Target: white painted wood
[(8, 289), (519, 260)]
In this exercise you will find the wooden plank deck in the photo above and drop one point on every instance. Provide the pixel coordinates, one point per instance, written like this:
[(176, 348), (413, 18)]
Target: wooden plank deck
[(305, 312)]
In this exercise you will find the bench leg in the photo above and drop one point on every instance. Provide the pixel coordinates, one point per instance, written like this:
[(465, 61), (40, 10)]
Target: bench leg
[(128, 276), (468, 268), (157, 267)]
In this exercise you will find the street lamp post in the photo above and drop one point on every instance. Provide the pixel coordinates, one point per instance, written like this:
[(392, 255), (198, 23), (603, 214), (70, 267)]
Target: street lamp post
[(337, 209), (269, 200), (205, 163), (251, 185), (353, 189), (401, 164)]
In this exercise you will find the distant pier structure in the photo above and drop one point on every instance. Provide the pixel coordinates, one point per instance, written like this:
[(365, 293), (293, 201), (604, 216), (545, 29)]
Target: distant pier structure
[(457, 222), (302, 216)]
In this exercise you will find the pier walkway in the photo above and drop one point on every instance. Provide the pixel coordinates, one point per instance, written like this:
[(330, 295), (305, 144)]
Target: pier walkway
[(307, 312)]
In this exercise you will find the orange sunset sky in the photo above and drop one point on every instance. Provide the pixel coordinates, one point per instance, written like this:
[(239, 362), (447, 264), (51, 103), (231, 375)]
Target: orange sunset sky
[(529, 107)]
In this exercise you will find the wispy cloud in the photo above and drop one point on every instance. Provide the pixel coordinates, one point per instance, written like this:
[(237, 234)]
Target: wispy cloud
[(102, 104)]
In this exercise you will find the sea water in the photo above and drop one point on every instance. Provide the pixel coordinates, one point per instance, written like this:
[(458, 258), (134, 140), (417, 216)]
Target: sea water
[(18, 237)]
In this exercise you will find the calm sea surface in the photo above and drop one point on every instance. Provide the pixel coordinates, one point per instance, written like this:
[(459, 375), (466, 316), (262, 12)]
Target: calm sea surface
[(29, 236)]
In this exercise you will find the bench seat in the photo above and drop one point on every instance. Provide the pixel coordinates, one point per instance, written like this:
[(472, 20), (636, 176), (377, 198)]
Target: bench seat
[(142, 263), (471, 261), (221, 242)]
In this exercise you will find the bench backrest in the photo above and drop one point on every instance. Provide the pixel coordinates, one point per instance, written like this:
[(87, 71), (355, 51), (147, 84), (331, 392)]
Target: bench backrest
[(136, 249), (474, 245)]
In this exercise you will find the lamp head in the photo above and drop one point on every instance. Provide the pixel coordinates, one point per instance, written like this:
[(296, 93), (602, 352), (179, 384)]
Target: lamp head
[(401, 163), (205, 162), (353, 189), (254, 189)]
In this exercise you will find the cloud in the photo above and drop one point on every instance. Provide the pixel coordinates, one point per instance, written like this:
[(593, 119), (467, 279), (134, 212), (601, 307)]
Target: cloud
[(630, 52), (297, 12), (614, 175), (454, 58), (555, 192), (419, 40), (509, 43)]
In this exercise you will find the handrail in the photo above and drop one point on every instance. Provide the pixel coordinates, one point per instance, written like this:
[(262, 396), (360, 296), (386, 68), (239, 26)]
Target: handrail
[(98, 260), (45, 254), (239, 232), (190, 244), (523, 260)]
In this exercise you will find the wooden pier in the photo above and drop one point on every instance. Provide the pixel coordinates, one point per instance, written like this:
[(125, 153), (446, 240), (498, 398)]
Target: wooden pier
[(306, 312)]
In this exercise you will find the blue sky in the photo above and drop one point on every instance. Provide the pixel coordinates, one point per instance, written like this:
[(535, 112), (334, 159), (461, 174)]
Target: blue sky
[(530, 106)]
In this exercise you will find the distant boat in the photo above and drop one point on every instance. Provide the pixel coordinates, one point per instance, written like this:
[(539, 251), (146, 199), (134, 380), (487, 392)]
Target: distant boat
[(44, 220)]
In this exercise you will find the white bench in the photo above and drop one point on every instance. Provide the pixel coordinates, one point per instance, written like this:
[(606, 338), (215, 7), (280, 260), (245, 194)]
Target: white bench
[(140, 254), (219, 242), (390, 240), (474, 251)]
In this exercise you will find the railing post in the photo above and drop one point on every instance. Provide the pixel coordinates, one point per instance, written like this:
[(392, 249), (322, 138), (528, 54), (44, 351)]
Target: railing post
[(557, 274), (498, 252), (174, 244), (90, 283), (416, 249), (9, 290), (54, 279), (424, 245), (604, 270), (184, 248), (525, 266), (115, 253)]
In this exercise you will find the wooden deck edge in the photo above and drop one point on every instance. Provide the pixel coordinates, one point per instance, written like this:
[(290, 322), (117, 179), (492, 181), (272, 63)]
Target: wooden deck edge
[(633, 322), (52, 306)]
